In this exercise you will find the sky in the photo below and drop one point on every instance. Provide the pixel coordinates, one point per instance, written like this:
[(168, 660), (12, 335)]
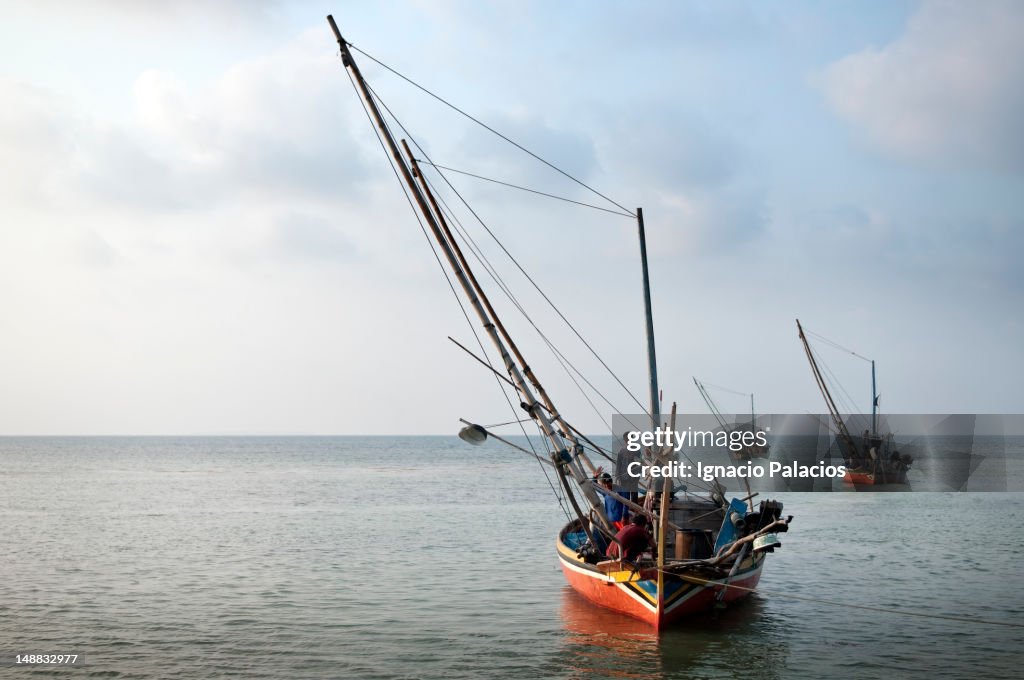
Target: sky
[(200, 234)]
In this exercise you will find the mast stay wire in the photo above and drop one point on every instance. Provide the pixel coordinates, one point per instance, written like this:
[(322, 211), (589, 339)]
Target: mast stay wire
[(514, 260), (560, 356), (557, 492), (412, 139), (563, 360), (492, 130), (492, 272), (836, 345), (724, 389), (489, 268), (846, 400), (490, 232), (526, 189), (496, 277), (405, 192), (548, 299)]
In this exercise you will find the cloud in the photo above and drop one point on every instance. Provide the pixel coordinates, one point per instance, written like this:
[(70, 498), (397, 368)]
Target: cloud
[(949, 92), (271, 128), (716, 221), (692, 175), (894, 246), (671, 147), (310, 237), (268, 124), (566, 148), (37, 138), (227, 15)]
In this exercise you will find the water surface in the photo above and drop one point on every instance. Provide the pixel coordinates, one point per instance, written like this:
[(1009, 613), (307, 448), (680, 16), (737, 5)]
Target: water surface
[(415, 557)]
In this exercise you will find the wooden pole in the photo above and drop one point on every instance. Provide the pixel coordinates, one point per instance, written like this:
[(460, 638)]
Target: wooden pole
[(652, 361), (841, 431), (560, 455), (439, 216), (666, 491)]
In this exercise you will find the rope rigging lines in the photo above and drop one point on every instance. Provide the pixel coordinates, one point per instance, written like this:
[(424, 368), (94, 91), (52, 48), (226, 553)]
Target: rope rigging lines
[(492, 130), (458, 299), (847, 402), (460, 234), (493, 273)]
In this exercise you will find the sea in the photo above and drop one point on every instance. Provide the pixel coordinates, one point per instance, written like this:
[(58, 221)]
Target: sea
[(425, 557)]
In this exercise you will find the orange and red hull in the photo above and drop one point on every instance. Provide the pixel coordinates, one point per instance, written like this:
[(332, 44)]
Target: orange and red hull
[(640, 595), (859, 477)]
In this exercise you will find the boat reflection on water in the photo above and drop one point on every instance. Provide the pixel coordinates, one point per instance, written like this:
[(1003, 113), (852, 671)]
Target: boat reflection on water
[(602, 643)]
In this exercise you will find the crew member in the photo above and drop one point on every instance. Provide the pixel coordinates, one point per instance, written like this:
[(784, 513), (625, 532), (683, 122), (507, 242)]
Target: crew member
[(614, 510), (634, 539)]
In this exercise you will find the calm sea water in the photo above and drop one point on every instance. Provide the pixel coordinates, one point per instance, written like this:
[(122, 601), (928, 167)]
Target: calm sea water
[(423, 557)]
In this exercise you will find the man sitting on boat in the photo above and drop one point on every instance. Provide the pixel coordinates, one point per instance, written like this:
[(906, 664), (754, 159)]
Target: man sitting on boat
[(634, 539)]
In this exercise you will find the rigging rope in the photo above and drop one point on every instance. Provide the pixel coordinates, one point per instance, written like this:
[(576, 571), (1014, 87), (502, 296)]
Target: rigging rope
[(512, 409), (444, 271), (846, 400), (492, 272), (563, 360), (546, 298), (725, 389), (836, 345), (527, 189), (378, 99), (490, 129), (510, 256)]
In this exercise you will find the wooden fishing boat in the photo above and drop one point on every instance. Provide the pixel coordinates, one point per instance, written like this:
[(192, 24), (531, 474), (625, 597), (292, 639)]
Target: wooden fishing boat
[(871, 458), (706, 550), (662, 591)]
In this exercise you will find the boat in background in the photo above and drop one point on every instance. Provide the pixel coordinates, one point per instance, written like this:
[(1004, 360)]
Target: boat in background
[(871, 458), (708, 550)]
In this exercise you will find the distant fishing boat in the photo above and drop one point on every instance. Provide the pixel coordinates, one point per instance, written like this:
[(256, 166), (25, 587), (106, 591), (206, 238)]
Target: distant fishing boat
[(748, 452), (707, 550), (871, 457)]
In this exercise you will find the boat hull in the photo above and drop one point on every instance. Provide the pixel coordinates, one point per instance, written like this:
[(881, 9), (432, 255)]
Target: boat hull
[(638, 594), (859, 477)]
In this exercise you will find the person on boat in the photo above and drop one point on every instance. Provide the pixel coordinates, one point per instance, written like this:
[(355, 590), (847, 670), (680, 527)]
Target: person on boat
[(634, 539), (625, 484), (614, 510)]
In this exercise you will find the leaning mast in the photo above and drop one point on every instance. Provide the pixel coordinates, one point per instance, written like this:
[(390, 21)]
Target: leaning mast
[(841, 430), (564, 461), (652, 361)]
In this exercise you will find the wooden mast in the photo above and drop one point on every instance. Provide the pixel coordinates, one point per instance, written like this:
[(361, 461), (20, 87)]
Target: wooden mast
[(874, 401), (527, 371), (663, 523), (560, 455), (841, 431), (652, 361)]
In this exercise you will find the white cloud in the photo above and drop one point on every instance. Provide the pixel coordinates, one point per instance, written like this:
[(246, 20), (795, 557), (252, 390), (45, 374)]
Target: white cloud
[(267, 129), (37, 138), (948, 92)]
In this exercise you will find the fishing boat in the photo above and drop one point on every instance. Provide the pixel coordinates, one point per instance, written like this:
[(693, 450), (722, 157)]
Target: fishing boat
[(754, 450), (871, 457), (705, 550)]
